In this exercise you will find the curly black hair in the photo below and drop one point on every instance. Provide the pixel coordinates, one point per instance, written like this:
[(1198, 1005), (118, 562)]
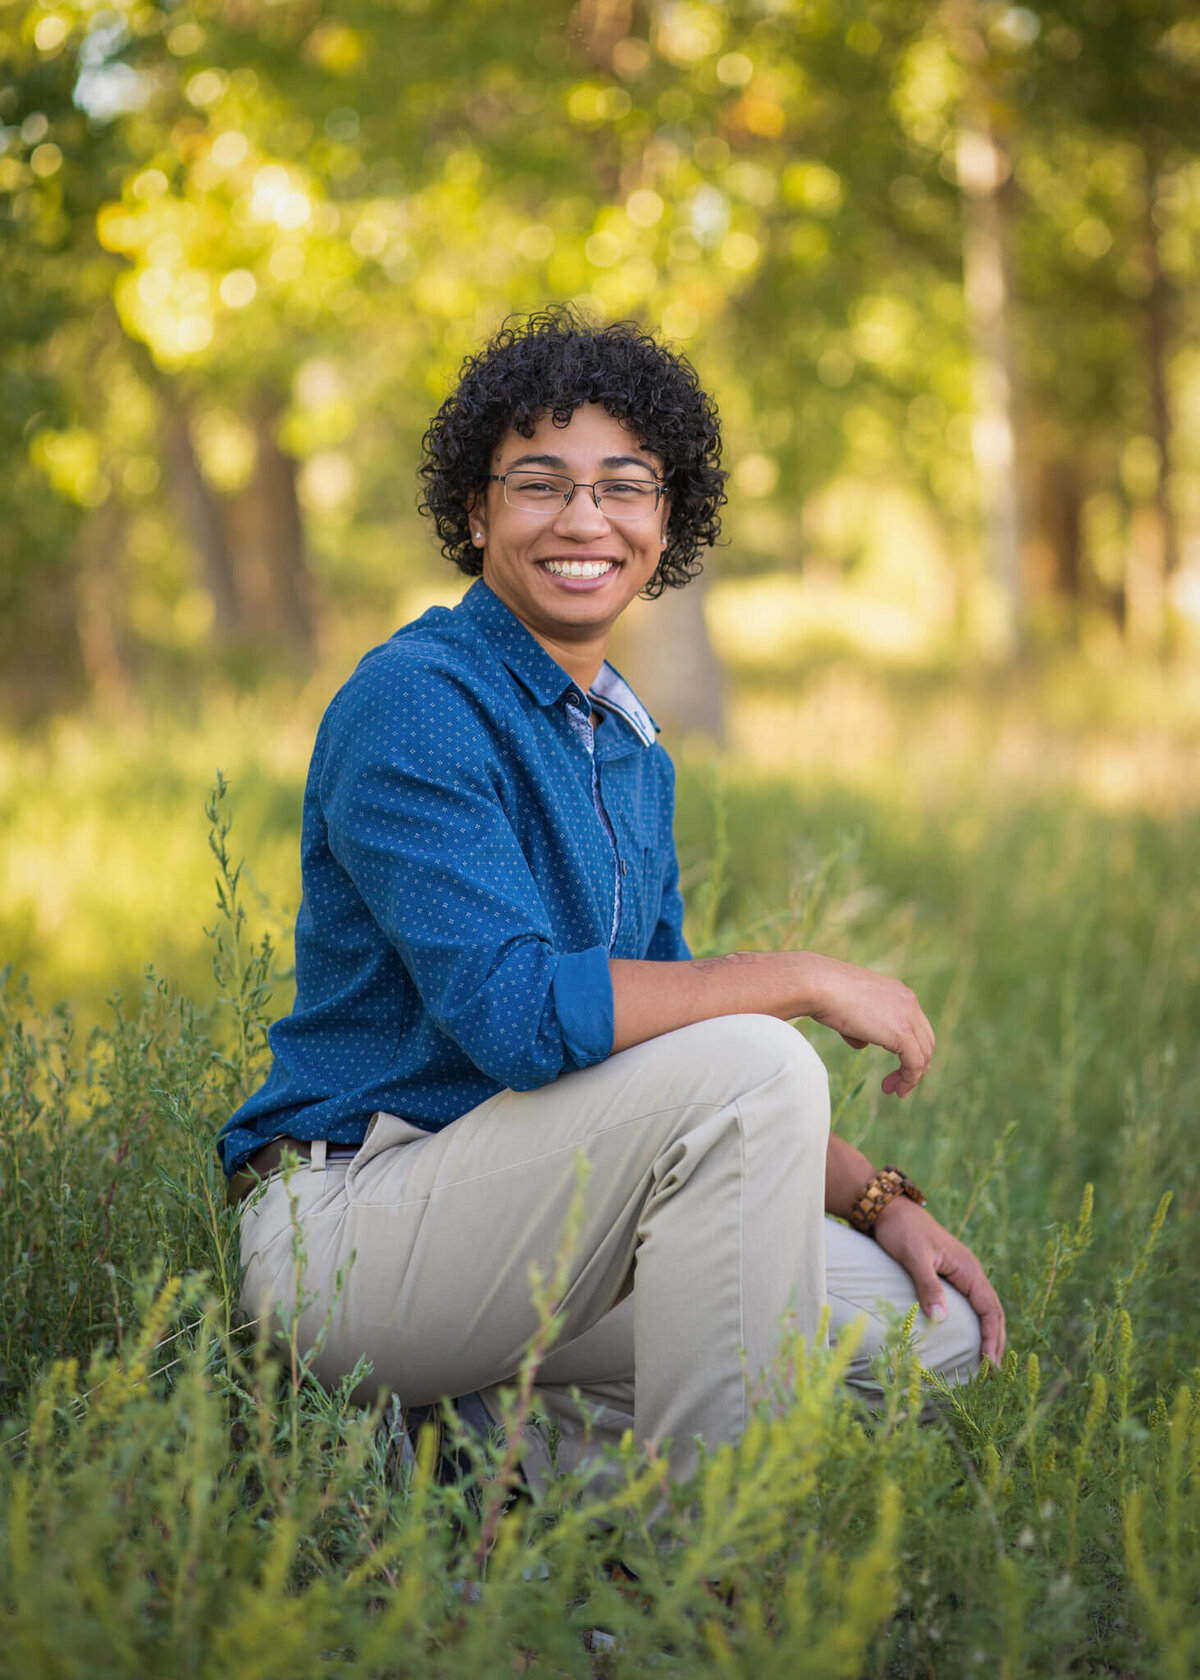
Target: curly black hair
[(551, 362)]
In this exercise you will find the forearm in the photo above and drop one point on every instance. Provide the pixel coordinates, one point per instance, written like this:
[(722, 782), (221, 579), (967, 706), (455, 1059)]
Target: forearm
[(865, 1007), (650, 998), (847, 1170), (847, 1174)]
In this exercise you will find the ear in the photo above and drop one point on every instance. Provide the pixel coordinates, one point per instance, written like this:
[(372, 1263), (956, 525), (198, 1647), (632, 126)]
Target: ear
[(477, 517)]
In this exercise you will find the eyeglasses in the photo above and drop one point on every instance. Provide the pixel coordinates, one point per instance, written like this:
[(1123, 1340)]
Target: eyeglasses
[(616, 498)]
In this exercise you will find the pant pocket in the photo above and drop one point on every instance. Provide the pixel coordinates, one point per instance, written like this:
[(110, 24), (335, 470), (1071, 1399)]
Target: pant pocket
[(385, 1131)]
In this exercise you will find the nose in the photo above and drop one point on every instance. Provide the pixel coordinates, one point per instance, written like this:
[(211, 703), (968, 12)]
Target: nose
[(581, 518)]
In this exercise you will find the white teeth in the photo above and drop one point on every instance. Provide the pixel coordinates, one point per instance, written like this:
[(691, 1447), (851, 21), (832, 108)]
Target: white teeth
[(579, 568)]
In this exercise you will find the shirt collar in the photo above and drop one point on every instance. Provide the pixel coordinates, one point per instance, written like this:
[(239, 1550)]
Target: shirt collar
[(611, 691), (543, 676)]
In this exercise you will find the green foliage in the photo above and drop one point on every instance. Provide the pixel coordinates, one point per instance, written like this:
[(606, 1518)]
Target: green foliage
[(241, 242), (244, 980), (178, 1500), (86, 1140)]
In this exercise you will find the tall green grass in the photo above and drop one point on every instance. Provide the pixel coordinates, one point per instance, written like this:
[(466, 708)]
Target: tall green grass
[(178, 1501)]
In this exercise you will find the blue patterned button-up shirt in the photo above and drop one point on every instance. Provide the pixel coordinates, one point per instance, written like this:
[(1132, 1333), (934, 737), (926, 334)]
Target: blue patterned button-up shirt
[(468, 868)]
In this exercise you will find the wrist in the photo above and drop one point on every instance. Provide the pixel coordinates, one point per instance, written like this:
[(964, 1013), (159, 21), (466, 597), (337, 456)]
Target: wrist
[(805, 980), (895, 1214), (888, 1187)]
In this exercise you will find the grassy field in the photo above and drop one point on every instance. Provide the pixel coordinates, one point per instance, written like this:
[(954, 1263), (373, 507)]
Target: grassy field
[(177, 1503)]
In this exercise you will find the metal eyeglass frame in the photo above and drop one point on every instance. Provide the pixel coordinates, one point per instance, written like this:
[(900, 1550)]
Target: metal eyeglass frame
[(660, 491)]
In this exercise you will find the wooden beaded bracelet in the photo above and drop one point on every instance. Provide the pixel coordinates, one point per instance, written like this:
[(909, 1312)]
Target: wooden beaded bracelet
[(887, 1184)]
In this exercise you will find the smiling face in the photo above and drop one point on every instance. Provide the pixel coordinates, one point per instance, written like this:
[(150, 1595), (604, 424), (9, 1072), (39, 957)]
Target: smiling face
[(568, 574)]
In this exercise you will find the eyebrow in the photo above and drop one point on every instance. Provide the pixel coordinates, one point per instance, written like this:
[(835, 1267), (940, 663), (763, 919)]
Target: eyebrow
[(559, 462)]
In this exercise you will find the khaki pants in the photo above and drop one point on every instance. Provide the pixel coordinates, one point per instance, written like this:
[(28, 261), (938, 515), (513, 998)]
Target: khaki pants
[(702, 1240)]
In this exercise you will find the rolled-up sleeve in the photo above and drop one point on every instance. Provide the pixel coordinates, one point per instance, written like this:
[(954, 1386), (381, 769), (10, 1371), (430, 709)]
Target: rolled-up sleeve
[(411, 792)]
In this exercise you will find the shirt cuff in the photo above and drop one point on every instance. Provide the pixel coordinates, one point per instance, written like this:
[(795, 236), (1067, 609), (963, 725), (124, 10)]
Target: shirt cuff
[(583, 1002)]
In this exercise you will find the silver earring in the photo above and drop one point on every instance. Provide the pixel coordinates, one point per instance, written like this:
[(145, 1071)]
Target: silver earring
[(479, 536)]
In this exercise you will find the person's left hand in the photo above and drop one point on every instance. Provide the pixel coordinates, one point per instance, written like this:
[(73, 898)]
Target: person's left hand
[(928, 1254)]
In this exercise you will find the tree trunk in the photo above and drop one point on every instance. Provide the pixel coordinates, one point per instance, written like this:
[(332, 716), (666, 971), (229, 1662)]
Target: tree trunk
[(666, 652), (1154, 544), (266, 533), (982, 169), (200, 509), (1055, 547), (98, 607), (597, 25)]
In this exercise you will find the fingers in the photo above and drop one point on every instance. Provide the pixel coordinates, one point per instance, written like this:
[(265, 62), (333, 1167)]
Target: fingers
[(914, 1065), (869, 1008), (915, 1051), (927, 1037), (905, 1078), (992, 1327), (929, 1289), (929, 1253), (972, 1281)]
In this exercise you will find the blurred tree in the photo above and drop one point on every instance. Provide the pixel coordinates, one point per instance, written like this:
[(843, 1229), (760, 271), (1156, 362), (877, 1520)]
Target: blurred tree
[(246, 244), (52, 471), (1114, 138), (983, 169)]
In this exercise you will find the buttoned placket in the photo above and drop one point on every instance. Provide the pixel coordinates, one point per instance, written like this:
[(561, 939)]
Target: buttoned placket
[(582, 725)]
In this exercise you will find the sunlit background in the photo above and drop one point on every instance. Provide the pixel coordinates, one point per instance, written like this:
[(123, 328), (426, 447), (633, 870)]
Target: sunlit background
[(936, 262)]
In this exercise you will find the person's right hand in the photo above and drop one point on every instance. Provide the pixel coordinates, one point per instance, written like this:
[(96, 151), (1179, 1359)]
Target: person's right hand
[(870, 1008)]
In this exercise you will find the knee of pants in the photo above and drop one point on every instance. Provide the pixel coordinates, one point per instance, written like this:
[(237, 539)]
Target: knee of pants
[(951, 1349), (762, 1049)]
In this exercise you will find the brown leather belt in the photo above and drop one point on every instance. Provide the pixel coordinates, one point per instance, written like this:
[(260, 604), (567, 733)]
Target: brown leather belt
[(269, 1159)]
